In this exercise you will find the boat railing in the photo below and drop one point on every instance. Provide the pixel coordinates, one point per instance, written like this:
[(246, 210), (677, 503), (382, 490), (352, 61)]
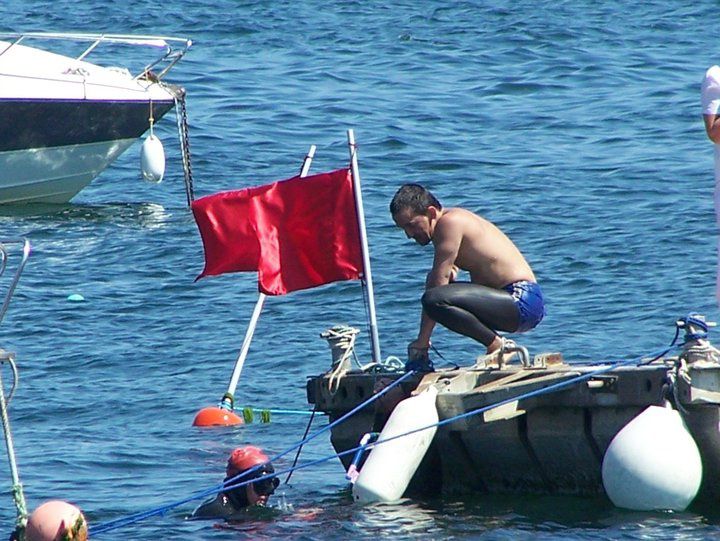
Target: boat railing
[(4, 259), (173, 48)]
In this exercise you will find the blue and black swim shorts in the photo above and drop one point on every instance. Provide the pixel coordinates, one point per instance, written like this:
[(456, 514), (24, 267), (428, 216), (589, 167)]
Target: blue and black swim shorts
[(529, 299)]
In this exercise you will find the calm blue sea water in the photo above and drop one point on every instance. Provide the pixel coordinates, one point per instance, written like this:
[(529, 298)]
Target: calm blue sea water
[(575, 126)]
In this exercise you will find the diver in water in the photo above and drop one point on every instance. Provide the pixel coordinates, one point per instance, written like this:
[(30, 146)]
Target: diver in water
[(231, 501)]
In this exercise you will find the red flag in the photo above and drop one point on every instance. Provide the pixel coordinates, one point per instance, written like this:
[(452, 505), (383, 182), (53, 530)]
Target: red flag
[(297, 233)]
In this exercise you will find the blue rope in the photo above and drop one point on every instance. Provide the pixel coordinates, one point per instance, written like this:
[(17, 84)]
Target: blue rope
[(137, 517), (232, 484), (694, 319), (278, 411), (545, 390), (281, 411)]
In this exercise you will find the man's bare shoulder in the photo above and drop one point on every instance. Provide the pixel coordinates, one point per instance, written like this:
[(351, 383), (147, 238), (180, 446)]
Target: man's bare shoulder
[(457, 224), (458, 217)]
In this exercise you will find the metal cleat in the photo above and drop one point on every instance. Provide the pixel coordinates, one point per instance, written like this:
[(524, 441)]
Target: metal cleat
[(511, 347), (503, 356)]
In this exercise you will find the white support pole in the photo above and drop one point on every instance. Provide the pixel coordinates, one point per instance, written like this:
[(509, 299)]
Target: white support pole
[(307, 161), (259, 304), (375, 339), (246, 345)]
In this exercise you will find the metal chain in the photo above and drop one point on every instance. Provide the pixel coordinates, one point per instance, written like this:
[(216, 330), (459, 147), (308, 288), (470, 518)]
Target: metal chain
[(184, 136)]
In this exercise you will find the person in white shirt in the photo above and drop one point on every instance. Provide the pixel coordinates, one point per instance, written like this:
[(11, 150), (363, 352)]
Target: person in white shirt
[(710, 97)]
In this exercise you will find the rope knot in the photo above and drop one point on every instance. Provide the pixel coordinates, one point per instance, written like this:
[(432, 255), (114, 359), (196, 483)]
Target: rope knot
[(341, 339)]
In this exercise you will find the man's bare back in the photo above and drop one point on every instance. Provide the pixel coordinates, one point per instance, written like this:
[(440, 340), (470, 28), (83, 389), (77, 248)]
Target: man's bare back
[(483, 250)]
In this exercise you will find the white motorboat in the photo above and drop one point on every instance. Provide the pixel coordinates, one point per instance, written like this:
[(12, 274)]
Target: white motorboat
[(65, 120)]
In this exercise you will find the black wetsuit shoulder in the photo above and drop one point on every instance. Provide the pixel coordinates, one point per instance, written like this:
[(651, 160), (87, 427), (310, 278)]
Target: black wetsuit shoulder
[(219, 507)]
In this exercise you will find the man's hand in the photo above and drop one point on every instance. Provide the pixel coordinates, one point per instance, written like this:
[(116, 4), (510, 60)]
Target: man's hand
[(418, 357), (418, 350)]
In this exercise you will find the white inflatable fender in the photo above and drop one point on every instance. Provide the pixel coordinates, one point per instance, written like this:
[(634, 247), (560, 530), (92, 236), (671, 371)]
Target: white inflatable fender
[(653, 463), (390, 466), (152, 159)]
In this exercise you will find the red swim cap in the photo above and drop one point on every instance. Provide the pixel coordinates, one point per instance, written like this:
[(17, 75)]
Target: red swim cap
[(244, 458)]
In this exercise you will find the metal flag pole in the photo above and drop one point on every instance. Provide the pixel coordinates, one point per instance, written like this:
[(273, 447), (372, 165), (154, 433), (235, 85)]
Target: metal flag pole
[(374, 337), (227, 403)]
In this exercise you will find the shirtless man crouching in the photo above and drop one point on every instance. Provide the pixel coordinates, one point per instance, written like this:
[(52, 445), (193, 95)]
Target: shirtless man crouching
[(502, 294)]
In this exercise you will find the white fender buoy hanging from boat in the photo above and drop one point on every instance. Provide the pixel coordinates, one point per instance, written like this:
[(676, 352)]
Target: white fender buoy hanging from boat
[(152, 159), (390, 466), (653, 463), (152, 155)]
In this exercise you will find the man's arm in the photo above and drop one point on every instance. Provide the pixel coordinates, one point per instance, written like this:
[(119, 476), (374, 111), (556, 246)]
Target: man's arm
[(712, 127), (446, 241)]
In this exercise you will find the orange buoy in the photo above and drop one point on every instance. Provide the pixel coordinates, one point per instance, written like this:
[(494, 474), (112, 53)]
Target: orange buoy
[(216, 416), (56, 520)]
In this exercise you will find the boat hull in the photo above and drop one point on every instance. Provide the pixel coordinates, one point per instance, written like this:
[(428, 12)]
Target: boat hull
[(57, 148)]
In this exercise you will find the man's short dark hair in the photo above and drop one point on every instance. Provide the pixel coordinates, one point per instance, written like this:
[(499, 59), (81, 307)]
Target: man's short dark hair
[(415, 197)]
